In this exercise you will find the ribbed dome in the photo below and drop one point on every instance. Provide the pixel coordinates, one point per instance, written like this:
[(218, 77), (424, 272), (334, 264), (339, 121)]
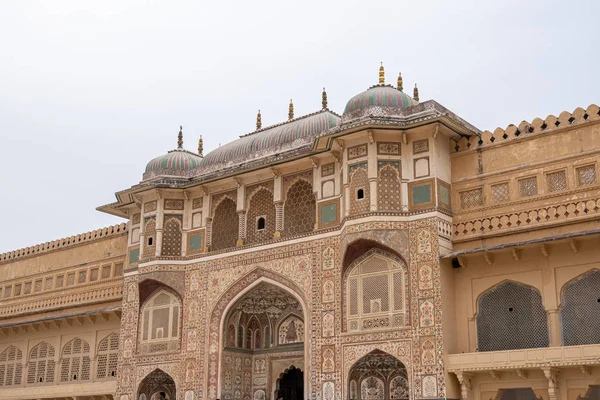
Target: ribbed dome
[(271, 141), (378, 100), (174, 163)]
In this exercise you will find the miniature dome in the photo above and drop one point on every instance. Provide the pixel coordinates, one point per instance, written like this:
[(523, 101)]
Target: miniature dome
[(379, 100), (175, 163)]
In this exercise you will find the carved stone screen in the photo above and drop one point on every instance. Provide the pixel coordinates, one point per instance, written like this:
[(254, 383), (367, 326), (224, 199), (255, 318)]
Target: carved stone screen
[(260, 206), (41, 364), (108, 353), (299, 209), (160, 322), (225, 225), (376, 294), (511, 316), (75, 362), (581, 310), (11, 366)]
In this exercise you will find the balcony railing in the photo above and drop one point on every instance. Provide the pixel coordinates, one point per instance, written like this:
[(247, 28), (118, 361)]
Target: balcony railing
[(525, 358)]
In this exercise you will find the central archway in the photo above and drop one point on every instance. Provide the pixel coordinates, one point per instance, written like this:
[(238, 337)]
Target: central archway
[(290, 385), (378, 376), (261, 333), (157, 385)]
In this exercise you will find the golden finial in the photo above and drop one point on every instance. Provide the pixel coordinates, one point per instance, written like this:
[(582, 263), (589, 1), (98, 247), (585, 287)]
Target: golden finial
[(324, 99), (201, 146), (381, 74), (258, 121), (291, 110), (180, 138), (416, 93), (400, 86)]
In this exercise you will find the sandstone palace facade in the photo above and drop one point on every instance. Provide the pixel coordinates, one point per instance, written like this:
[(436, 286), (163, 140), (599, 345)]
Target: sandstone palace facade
[(393, 252)]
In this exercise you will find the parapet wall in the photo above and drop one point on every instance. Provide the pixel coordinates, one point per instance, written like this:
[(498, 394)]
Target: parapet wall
[(526, 129), (81, 238)]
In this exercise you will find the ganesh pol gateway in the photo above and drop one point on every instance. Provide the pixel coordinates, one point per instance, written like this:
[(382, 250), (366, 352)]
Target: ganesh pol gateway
[(389, 252)]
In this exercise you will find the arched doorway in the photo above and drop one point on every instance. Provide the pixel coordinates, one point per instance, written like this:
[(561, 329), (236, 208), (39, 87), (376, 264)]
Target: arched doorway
[(378, 376), (290, 385), (158, 385), (263, 332)]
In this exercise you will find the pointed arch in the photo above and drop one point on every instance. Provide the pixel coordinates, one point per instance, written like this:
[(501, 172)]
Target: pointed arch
[(376, 292), (160, 316), (580, 299), (252, 327), (156, 382), (75, 361), (360, 190), (149, 237), (299, 208), (11, 366), (41, 364), (225, 224), (389, 186), (511, 316), (172, 236), (108, 353), (260, 205), (377, 373), (221, 308)]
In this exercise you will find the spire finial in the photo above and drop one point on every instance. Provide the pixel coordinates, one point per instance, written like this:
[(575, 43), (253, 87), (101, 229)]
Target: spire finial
[(201, 146), (258, 121), (400, 86), (381, 74), (416, 93), (180, 138), (324, 99), (291, 110)]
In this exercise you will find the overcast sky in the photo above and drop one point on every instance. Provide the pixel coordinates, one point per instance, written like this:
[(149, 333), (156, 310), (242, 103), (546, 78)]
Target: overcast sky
[(91, 91)]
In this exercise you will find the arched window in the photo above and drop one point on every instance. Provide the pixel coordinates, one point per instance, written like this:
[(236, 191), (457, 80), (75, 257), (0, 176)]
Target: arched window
[(511, 316), (260, 218), (160, 321), (11, 366), (108, 352), (75, 363), (231, 336), (299, 213), (267, 336), (41, 364), (171, 241), (251, 330), (581, 301), (240, 337), (248, 342), (376, 292), (225, 225)]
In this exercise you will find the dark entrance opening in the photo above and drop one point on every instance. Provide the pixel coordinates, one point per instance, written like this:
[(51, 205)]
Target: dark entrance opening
[(291, 385)]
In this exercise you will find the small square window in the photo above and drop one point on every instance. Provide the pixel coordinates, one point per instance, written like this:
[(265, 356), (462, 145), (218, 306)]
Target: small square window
[(528, 187), (360, 194), (261, 223), (556, 181)]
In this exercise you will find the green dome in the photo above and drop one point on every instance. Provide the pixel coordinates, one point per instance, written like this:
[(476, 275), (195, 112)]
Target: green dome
[(378, 100), (174, 163)]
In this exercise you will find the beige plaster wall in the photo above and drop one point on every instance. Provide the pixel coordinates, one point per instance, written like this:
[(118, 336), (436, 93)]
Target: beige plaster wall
[(58, 336), (547, 274)]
